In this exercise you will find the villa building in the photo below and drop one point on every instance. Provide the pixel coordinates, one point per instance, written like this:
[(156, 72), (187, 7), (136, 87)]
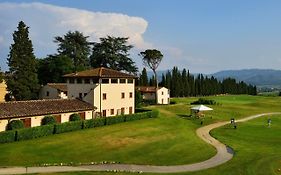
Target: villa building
[(3, 91), (33, 111), (149, 93), (111, 92)]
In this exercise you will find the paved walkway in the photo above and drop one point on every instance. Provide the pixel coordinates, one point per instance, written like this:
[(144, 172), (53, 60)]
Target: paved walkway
[(223, 155)]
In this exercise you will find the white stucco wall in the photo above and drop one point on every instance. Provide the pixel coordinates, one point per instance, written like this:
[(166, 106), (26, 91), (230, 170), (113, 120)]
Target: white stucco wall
[(113, 93), (74, 89), (3, 124), (53, 93), (36, 120), (113, 98), (3, 91), (163, 96)]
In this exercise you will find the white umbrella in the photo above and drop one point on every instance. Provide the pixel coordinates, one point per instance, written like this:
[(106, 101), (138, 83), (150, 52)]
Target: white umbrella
[(201, 108)]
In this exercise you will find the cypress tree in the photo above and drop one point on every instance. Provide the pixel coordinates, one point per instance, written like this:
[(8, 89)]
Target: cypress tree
[(22, 79), (143, 78), (168, 80)]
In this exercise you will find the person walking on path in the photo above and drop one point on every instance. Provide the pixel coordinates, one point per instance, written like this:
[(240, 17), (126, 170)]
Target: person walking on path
[(269, 122)]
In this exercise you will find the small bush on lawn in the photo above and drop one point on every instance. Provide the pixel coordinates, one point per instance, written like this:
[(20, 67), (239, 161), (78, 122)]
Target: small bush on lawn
[(48, 120), (74, 117), (35, 132), (15, 124), (7, 136), (68, 126), (115, 119), (204, 102), (154, 114)]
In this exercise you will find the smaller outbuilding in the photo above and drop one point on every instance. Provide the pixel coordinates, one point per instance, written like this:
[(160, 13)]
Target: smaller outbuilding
[(149, 93), (3, 91), (32, 112), (53, 91)]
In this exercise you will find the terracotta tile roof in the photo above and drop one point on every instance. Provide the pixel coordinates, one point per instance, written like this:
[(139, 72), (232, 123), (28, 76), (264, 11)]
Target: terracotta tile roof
[(101, 73), (147, 89), (60, 86), (42, 107)]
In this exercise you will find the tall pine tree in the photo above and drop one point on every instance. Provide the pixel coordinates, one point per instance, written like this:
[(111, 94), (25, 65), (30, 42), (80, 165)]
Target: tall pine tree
[(75, 46), (22, 80), (113, 52)]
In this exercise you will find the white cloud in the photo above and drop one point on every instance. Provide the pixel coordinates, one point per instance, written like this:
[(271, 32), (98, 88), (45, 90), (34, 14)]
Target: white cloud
[(47, 21)]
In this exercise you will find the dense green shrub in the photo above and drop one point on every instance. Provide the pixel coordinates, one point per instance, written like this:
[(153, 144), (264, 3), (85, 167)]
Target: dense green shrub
[(68, 126), (115, 119), (142, 115), (34, 132), (149, 102), (88, 123), (15, 124), (7, 136), (154, 114), (204, 102), (173, 102), (136, 116), (99, 122), (48, 129), (48, 120), (138, 110), (138, 99), (74, 117)]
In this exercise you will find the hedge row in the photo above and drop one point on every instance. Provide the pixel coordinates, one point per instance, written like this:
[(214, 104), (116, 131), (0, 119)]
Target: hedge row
[(7, 136), (34, 132), (45, 130), (68, 126)]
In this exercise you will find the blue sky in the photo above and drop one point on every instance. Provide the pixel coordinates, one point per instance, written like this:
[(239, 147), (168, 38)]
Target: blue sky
[(201, 35)]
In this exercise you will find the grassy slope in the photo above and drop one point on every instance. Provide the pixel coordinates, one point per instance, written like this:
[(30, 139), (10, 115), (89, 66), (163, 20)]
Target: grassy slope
[(159, 141), (165, 140), (257, 149)]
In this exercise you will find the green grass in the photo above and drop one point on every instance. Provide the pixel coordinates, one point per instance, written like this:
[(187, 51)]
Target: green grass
[(160, 141), (257, 149), (167, 140)]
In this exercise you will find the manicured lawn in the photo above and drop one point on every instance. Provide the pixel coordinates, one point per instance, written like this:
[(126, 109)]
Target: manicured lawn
[(257, 147), (257, 150), (167, 140)]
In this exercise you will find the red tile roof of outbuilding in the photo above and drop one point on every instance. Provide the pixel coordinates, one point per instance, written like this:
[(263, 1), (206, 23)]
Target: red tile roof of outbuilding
[(18, 109)]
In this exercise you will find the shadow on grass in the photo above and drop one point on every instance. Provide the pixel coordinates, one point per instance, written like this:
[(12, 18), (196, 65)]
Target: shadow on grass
[(186, 116)]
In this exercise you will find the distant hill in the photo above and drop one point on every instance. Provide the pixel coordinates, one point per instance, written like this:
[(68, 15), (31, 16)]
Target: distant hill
[(259, 77)]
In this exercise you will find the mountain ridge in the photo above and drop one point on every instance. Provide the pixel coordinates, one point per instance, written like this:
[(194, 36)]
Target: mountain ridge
[(259, 77)]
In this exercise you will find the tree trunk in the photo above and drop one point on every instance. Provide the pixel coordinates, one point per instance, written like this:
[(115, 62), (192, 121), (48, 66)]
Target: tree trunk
[(156, 86)]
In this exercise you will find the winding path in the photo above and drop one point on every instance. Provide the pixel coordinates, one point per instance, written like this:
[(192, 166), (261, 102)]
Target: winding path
[(223, 155)]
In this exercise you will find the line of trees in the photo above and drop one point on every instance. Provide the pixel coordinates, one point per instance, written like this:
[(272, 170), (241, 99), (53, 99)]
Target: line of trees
[(74, 53), (184, 84)]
